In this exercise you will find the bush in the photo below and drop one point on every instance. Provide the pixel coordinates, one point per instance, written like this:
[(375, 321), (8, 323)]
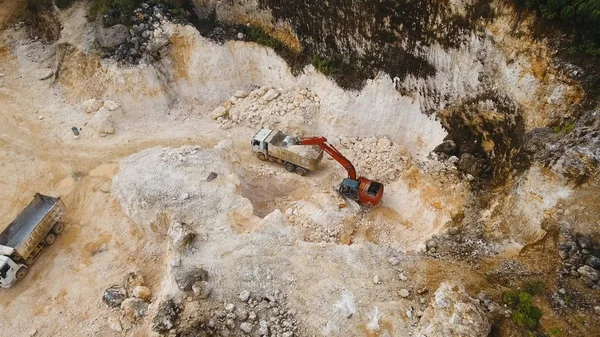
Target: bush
[(62, 4), (35, 6), (524, 312), (330, 67), (261, 37)]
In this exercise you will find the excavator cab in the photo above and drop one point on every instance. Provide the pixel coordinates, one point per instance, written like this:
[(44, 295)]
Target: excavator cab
[(363, 190)]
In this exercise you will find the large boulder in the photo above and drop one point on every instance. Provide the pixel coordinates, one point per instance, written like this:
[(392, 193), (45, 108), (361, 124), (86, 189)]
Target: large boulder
[(114, 296), (453, 313), (448, 147), (185, 278), (166, 317), (134, 308), (111, 37)]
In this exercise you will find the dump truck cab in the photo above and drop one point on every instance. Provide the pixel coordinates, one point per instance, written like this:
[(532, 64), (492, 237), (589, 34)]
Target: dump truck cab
[(10, 271), (259, 143)]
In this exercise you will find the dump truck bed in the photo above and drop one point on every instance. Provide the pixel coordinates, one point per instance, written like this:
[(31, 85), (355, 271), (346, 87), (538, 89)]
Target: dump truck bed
[(30, 227), (307, 157)]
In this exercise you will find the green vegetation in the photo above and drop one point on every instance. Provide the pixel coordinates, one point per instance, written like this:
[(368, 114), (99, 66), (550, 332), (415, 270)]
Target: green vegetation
[(554, 332), (564, 128), (579, 17), (525, 313), (259, 36), (62, 4), (35, 6), (123, 7), (330, 67)]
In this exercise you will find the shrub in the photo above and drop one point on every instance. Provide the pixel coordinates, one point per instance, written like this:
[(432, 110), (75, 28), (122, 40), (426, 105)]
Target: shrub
[(261, 37), (524, 312)]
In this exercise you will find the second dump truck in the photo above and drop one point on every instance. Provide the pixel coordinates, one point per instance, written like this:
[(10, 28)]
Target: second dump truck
[(34, 228), (277, 146)]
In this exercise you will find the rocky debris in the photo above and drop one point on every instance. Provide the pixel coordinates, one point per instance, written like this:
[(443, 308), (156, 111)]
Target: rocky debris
[(572, 150), (134, 308), (201, 289), (240, 94), (114, 296), (467, 243), (167, 316), (33, 332), (454, 313), (447, 147), (142, 292), (110, 105), (185, 278), (258, 108), (91, 105), (404, 293), (254, 315), (271, 95), (102, 123), (43, 74), (146, 36), (376, 158), (133, 280), (111, 37), (579, 256), (182, 235)]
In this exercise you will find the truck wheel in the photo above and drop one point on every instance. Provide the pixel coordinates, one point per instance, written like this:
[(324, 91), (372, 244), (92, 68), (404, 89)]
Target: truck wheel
[(58, 228), (289, 166), (50, 238), (21, 273), (301, 171), (262, 156)]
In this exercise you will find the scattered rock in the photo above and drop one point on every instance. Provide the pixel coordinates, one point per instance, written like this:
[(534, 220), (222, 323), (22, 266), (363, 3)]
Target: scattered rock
[(111, 105), (133, 280), (201, 289), (376, 279), (185, 278), (43, 74), (166, 317), (240, 94), (91, 105), (263, 328), (404, 293), (219, 111), (244, 295), (589, 273), (142, 292), (114, 296), (448, 147), (181, 234), (454, 313), (593, 262), (33, 332), (246, 327), (271, 95), (470, 164), (134, 308), (114, 324)]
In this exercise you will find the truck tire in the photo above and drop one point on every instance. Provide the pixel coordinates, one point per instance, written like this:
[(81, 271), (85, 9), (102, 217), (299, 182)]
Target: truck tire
[(21, 273), (301, 171), (290, 167), (262, 156), (58, 228), (49, 239)]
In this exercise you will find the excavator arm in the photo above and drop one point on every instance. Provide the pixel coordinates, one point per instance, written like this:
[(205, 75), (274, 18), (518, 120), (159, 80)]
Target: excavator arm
[(363, 190), (332, 151)]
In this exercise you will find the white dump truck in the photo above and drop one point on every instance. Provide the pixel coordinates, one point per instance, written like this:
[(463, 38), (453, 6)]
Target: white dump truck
[(35, 227), (277, 146)]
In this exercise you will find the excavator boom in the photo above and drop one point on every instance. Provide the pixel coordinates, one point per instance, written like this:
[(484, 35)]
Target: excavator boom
[(362, 190)]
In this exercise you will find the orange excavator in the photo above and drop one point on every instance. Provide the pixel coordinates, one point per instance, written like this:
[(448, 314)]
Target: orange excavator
[(359, 189)]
